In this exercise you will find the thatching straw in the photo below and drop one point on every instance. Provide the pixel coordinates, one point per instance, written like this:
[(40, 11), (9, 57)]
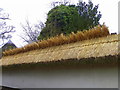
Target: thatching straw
[(99, 31), (98, 47)]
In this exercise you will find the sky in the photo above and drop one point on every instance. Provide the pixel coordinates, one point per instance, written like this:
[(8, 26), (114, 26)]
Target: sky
[(36, 10)]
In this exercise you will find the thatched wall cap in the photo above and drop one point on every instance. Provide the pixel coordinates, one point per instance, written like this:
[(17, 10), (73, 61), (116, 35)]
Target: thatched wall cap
[(98, 47)]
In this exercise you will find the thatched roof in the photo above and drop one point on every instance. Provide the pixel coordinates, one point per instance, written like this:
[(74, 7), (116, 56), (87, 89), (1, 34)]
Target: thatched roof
[(93, 48), (96, 32)]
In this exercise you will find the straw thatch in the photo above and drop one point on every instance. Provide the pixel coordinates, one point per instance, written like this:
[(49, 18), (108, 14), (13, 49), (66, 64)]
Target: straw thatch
[(98, 31), (98, 47)]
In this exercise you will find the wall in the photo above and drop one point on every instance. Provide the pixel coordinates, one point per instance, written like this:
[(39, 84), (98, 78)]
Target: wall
[(58, 76), (0, 68), (0, 53)]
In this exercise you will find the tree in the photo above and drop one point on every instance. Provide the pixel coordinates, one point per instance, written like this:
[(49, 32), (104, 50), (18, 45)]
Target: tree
[(5, 29), (31, 32), (89, 15), (61, 19), (70, 18), (58, 3)]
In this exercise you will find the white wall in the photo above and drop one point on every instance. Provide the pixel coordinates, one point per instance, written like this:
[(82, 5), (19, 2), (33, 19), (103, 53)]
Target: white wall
[(79, 77)]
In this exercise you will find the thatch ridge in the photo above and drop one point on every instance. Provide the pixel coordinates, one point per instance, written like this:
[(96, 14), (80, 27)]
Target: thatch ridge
[(97, 47), (98, 31)]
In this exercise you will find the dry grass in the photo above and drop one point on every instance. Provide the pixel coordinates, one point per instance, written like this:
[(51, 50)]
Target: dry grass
[(79, 51), (98, 31)]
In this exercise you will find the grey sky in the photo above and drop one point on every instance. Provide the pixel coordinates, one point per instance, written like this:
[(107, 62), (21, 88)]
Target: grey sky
[(36, 10)]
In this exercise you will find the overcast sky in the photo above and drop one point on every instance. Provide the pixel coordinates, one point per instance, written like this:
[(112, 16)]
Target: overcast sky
[(36, 10)]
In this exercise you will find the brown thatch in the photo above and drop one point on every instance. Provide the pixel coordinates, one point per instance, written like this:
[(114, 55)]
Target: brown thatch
[(99, 31), (98, 47)]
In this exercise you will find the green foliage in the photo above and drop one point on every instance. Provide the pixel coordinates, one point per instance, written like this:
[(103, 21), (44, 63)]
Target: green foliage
[(89, 15), (66, 19)]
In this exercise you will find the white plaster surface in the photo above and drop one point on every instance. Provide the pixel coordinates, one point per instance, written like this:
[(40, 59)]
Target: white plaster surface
[(91, 77)]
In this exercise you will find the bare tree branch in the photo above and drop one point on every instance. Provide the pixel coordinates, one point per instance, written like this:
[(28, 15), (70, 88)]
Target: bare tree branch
[(5, 29), (31, 32), (57, 3)]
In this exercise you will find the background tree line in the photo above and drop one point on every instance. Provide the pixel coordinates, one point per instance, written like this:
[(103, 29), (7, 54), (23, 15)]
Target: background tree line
[(62, 18), (69, 18)]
